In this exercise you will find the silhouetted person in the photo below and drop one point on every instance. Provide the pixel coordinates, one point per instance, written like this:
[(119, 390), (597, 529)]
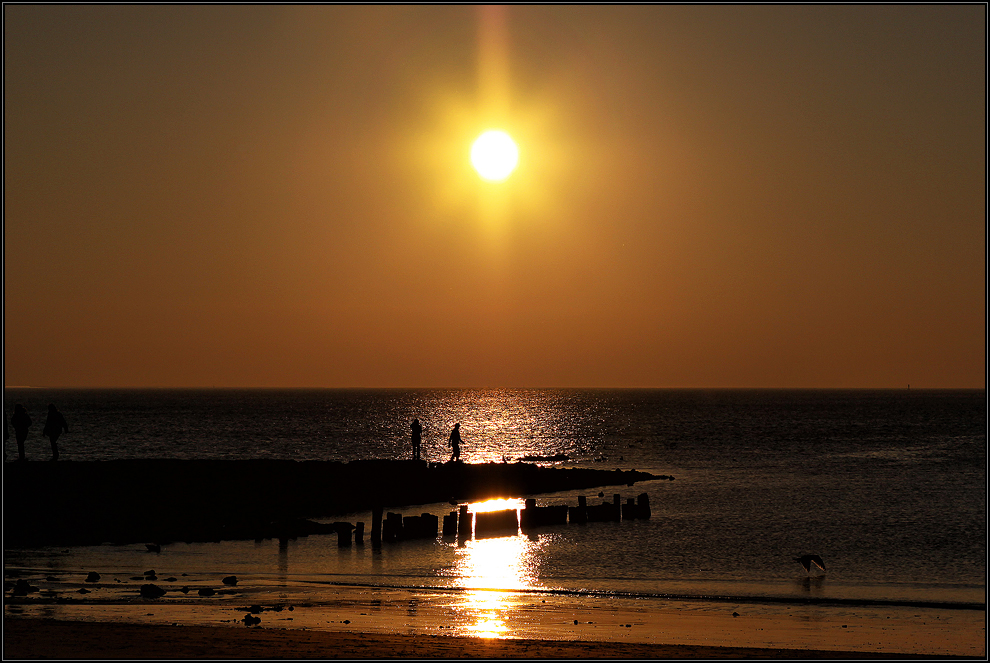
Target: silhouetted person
[(54, 426), (455, 443), (21, 423), (417, 437)]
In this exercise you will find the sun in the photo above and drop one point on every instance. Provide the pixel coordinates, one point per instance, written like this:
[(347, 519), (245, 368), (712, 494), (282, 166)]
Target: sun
[(494, 155)]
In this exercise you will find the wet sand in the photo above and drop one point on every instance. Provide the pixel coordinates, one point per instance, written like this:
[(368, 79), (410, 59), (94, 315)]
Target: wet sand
[(363, 622), (37, 638)]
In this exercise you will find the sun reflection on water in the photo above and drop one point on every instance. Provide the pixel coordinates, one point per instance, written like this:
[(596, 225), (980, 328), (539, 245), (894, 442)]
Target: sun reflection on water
[(497, 504), (490, 568)]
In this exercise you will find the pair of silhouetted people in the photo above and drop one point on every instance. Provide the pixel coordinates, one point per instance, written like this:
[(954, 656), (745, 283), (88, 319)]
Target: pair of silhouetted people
[(55, 425), (417, 441)]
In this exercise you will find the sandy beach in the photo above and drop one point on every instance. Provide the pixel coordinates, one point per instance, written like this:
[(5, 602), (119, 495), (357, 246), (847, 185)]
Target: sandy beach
[(39, 638), (363, 622)]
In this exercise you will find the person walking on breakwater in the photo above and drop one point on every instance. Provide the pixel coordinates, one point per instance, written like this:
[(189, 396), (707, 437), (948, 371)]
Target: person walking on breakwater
[(417, 437), (455, 443), (21, 422), (54, 426)]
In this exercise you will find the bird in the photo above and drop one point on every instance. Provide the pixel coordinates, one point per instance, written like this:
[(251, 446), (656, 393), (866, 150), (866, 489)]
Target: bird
[(808, 560)]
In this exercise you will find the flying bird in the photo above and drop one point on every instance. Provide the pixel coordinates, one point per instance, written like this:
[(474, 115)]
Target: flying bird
[(808, 560)]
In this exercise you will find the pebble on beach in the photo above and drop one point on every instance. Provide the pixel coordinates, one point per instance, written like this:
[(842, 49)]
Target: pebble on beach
[(207, 591), (230, 580), (22, 588), (93, 577), (150, 591)]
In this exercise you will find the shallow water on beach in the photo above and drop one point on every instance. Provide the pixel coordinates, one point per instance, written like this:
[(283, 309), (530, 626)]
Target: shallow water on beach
[(888, 486)]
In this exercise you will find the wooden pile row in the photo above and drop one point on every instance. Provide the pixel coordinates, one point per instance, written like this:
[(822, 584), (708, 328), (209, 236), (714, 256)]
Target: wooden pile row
[(463, 524)]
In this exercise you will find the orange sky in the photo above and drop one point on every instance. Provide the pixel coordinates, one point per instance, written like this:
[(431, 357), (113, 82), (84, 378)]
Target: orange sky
[(706, 196)]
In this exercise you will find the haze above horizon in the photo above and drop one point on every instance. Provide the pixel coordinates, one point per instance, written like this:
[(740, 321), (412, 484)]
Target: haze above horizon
[(705, 196)]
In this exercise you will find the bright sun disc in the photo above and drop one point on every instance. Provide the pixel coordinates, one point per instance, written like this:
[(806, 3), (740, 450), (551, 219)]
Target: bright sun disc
[(494, 155)]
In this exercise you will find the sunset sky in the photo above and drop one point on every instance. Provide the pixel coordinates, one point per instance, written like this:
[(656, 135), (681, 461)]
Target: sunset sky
[(706, 196)]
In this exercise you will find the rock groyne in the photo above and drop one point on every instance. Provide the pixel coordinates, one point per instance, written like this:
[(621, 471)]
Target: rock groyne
[(142, 501)]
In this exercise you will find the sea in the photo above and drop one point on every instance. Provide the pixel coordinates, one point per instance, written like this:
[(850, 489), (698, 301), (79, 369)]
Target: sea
[(887, 486)]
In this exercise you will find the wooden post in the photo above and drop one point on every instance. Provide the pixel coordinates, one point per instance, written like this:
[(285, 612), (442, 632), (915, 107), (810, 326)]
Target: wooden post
[(394, 523), (528, 516), (579, 515), (359, 533), (496, 523), (343, 534), (450, 524), (644, 506), (464, 523), (431, 524)]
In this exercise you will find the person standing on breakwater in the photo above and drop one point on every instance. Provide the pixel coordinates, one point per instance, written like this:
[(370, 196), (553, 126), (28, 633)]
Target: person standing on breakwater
[(54, 426), (417, 437), (21, 423), (455, 443)]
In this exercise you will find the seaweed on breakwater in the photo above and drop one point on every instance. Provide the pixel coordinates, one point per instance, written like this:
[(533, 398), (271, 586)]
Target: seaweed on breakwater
[(140, 501)]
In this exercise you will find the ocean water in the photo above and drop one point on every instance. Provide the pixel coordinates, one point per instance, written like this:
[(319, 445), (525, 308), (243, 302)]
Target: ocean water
[(889, 487)]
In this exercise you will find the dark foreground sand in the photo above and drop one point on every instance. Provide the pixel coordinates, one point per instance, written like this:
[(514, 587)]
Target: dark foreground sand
[(43, 638)]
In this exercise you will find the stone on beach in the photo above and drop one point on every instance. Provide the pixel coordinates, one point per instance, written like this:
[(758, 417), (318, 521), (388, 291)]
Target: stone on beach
[(230, 580), (150, 591), (93, 577), (22, 587)]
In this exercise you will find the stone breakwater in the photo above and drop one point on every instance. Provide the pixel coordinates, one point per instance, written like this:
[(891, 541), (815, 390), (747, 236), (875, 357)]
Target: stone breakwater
[(159, 501)]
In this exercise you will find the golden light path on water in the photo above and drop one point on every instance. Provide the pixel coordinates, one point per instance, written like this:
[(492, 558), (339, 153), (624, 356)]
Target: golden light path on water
[(488, 567)]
